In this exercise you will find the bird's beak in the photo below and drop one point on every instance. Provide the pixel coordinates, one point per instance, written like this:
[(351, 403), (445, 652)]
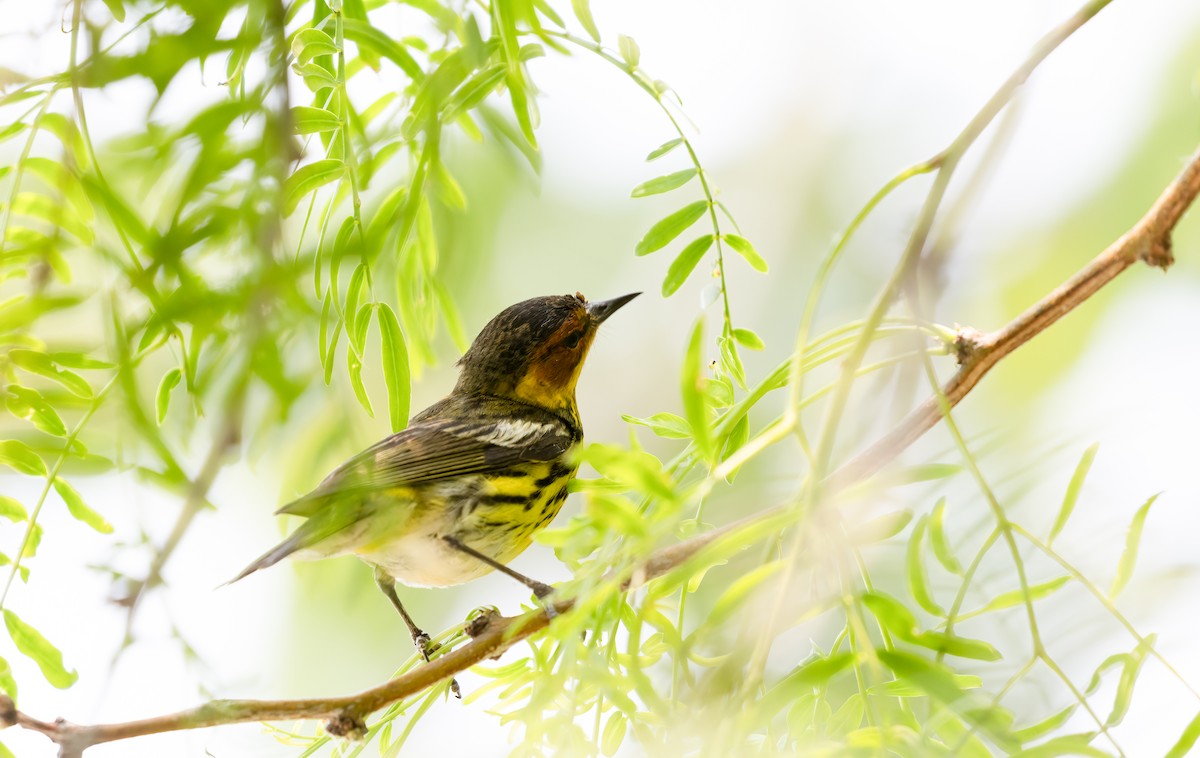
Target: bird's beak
[(605, 308)]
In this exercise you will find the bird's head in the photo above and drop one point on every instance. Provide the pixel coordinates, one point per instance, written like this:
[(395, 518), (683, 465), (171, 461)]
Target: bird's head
[(533, 351)]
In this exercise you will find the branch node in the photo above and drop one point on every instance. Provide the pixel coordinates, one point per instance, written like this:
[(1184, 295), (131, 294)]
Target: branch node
[(480, 622), (8, 712), (347, 724), (1158, 253), (967, 342)]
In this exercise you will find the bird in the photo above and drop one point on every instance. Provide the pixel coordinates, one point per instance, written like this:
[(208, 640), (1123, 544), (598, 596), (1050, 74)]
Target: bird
[(462, 490)]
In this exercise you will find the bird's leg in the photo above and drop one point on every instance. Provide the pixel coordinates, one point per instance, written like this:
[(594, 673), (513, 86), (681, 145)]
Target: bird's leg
[(421, 640), (541, 591)]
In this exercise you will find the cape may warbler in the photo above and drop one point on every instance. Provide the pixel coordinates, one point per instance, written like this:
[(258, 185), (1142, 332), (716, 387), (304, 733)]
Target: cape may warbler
[(462, 490)]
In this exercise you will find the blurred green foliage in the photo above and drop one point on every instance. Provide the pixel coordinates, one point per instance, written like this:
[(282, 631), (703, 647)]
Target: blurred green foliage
[(212, 264)]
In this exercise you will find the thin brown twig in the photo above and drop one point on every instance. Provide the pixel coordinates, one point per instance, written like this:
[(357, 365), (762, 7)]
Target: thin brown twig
[(1148, 241)]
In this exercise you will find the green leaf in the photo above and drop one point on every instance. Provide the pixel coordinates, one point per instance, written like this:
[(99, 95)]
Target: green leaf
[(747, 338), (743, 248), (1017, 597), (1183, 746), (1072, 496), (633, 469), (79, 360), (666, 425), (1131, 667), (938, 682), (474, 90), (900, 621), (922, 472), (630, 52), (447, 188), (39, 363), (309, 120), (614, 515), (1046, 725), (117, 8), (19, 457), (119, 211), (693, 388), (162, 398), (846, 718), (685, 263), (64, 128), (731, 364), (1070, 744), (10, 131), (918, 582), (35, 539), (892, 614), (11, 509), (1111, 661), (664, 183), (901, 688), (881, 528), (937, 538), (79, 509), (7, 683), (308, 179), (808, 676), (667, 229), (396, 374), (736, 440), (355, 366), (29, 404), (367, 36), (664, 148), (613, 734), (32, 644), (584, 13), (522, 108), (719, 390), (740, 590), (354, 293), (961, 647), (309, 43), (362, 322), (1129, 556), (315, 77)]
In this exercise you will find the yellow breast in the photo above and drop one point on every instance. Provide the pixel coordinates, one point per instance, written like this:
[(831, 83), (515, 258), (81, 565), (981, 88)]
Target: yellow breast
[(515, 505)]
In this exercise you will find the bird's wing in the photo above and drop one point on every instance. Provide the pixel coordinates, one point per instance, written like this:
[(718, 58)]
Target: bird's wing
[(440, 449)]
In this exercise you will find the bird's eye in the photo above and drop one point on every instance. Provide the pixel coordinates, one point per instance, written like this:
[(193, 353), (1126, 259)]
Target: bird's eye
[(572, 341)]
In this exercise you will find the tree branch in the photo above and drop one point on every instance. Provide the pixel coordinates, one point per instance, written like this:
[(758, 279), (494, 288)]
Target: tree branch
[(1148, 241)]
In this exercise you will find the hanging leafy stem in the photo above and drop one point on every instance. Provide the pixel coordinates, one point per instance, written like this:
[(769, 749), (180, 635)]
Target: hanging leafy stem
[(668, 229)]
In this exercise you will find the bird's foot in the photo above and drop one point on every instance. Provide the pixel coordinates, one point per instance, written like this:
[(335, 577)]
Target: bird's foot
[(427, 647), (543, 592)]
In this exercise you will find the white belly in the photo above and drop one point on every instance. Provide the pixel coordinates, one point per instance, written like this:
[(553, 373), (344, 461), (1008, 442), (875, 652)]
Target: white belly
[(422, 558)]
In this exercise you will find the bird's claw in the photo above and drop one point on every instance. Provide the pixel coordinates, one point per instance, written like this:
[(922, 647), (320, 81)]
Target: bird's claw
[(427, 647), (542, 592)]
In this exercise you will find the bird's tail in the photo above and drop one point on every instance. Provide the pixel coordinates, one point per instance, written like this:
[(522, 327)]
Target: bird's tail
[(293, 543)]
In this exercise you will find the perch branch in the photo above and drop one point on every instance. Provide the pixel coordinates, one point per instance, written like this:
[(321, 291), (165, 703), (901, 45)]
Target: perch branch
[(1148, 241)]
